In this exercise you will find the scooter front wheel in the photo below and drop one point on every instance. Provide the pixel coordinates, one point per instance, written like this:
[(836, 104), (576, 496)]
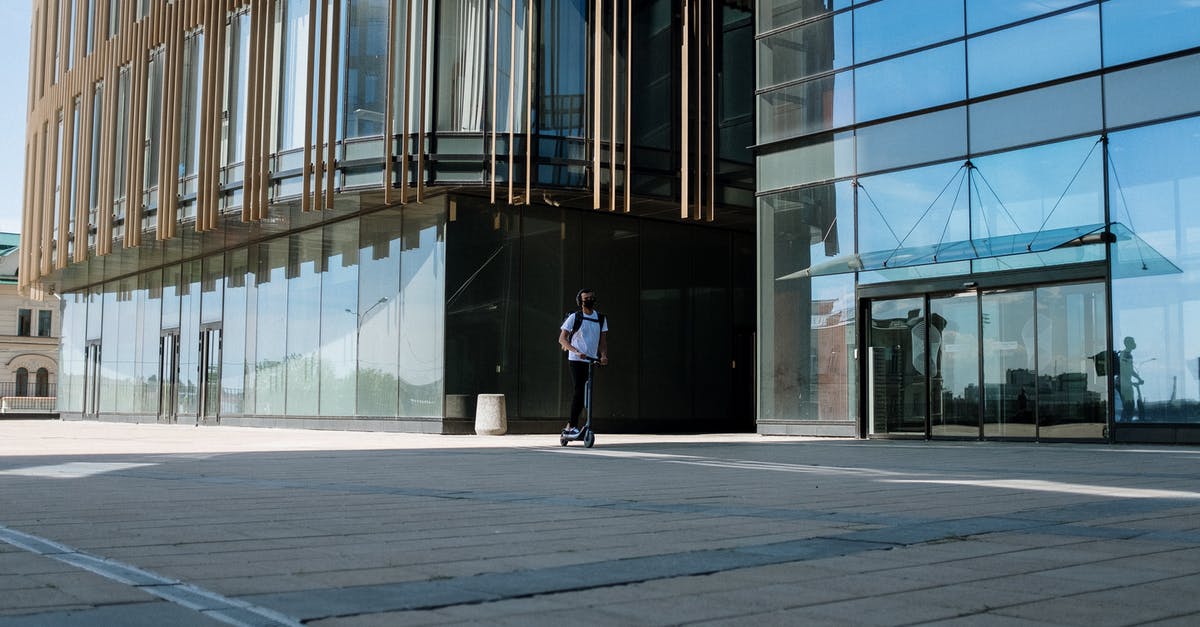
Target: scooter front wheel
[(589, 439)]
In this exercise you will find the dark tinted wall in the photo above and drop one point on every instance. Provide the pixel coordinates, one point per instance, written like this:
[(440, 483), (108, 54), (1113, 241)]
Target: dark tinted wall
[(675, 295)]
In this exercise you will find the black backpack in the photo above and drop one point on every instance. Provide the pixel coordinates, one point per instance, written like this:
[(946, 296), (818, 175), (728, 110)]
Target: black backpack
[(579, 322)]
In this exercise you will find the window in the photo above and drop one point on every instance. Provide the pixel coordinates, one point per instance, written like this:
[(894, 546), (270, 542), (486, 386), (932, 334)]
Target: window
[(24, 321), (22, 382), (44, 323), (43, 382)]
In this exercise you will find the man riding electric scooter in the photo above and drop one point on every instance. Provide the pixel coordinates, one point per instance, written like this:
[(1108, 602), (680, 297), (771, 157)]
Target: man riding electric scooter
[(584, 336)]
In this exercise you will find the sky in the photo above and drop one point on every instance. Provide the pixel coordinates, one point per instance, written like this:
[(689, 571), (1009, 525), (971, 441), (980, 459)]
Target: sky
[(14, 85)]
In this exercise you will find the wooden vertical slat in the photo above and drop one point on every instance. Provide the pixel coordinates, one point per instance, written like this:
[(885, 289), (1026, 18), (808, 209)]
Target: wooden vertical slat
[(684, 69), (529, 31), (309, 88), (335, 46), (420, 148), (249, 129), (269, 142), (512, 88), (406, 115), (319, 123), (628, 160), (494, 82), (597, 54), (389, 108), (612, 129)]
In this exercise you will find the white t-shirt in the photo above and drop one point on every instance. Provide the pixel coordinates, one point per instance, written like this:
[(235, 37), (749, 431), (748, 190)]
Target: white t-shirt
[(587, 340)]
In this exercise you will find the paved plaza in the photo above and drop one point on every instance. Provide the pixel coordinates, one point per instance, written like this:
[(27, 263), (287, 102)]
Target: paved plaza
[(122, 524)]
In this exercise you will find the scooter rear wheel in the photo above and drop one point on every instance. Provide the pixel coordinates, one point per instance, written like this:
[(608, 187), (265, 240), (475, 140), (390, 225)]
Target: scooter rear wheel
[(562, 441)]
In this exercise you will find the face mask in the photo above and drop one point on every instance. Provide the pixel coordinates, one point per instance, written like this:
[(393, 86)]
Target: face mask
[(589, 302)]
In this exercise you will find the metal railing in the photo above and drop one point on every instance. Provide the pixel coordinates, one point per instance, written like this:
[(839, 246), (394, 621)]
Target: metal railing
[(30, 388), (27, 405)]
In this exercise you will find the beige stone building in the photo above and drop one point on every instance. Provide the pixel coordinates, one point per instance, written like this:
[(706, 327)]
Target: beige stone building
[(29, 340)]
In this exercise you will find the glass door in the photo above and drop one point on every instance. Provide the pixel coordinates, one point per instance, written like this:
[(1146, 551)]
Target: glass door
[(896, 367), (168, 376), (1072, 392), (1010, 388), (210, 374), (953, 338), (91, 379)]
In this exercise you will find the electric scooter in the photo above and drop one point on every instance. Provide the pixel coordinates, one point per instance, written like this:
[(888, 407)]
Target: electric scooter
[(585, 432)]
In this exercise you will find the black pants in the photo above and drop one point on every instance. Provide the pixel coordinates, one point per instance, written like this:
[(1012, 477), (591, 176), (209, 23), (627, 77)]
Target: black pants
[(579, 375)]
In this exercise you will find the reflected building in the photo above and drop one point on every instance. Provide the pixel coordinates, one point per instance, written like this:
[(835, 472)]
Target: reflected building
[(362, 213), (1020, 175)]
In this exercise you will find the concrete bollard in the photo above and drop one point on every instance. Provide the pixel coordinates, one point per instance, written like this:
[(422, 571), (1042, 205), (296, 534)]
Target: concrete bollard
[(490, 418)]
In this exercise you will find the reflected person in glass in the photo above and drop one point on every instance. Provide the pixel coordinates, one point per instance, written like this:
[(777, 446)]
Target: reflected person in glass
[(1129, 382), (583, 334)]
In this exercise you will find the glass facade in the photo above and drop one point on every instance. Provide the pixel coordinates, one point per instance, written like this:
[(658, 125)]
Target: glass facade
[(997, 190)]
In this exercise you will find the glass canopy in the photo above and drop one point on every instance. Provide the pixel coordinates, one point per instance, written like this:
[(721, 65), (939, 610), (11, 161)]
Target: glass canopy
[(1131, 255)]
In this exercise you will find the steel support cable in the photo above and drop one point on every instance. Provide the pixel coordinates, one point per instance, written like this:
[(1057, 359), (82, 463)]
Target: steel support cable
[(1029, 246), (1128, 214), (950, 216), (925, 213), (877, 210)]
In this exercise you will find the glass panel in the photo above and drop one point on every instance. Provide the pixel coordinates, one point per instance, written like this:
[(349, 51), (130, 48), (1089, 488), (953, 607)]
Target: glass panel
[(545, 262), (563, 63), (293, 22), (1175, 25), (126, 350), (1009, 365), (1039, 189), (339, 318), (481, 283), (953, 340), (773, 14), (110, 368), (189, 119), (912, 82), (99, 122), (813, 48), (149, 307), (422, 312), (797, 228), (154, 79), (270, 337), (73, 308), (363, 99), (1154, 183), (304, 317), (1071, 332), (896, 367), (1044, 50), (189, 342), (1150, 92), (212, 289), (816, 105), (922, 206), (894, 26), (920, 139), (822, 158), (120, 149), (463, 26), (233, 351), (237, 60), (379, 330), (1062, 110), (985, 14)]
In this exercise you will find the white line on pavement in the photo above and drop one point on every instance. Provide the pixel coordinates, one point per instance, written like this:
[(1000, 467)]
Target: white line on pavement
[(192, 597)]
